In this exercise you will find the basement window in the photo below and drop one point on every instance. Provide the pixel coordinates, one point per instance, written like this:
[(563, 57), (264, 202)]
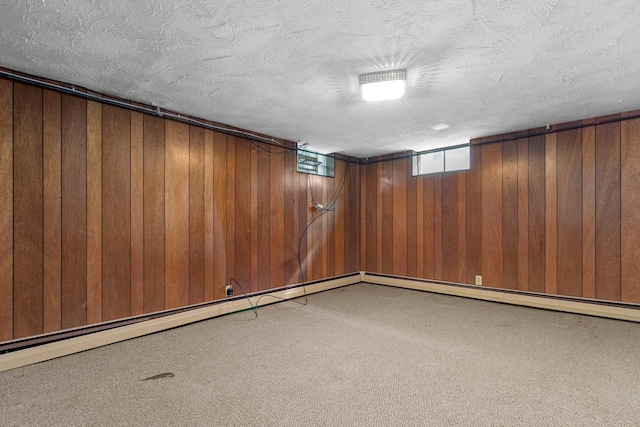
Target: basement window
[(316, 163), (442, 160)]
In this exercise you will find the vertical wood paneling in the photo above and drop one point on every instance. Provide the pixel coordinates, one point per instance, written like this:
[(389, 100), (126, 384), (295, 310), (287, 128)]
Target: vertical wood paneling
[(474, 215), (208, 215), (437, 227), (523, 214), (94, 212), (340, 210), (589, 212), (276, 225), (551, 212), (356, 201), (399, 189), (569, 238), (371, 218), (243, 215), (196, 215), (450, 227), (428, 203), (412, 224), (303, 210), (231, 207), (608, 211), (386, 189), (290, 241), (219, 214), (492, 215), (264, 207), (52, 309), (462, 228), (330, 230), (116, 213), (510, 215), (630, 208), (420, 227), (28, 209), (137, 225), (314, 235), (536, 214), (176, 216), (6, 213), (154, 213), (254, 216), (74, 212)]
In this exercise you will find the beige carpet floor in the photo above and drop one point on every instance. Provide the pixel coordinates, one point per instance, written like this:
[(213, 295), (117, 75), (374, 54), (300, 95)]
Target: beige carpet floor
[(362, 355)]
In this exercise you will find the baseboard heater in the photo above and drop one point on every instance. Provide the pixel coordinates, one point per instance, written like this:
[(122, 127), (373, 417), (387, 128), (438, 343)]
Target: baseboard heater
[(22, 352), (599, 308)]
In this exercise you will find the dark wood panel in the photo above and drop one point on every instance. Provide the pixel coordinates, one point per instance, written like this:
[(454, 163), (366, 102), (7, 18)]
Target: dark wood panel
[(492, 215), (437, 227), (510, 215), (254, 215), (231, 206), (356, 197), (208, 216), (315, 232), (27, 209), (303, 212), (352, 252), (330, 229), (589, 212), (450, 227), (74, 212), (243, 215), (154, 211), (462, 227), (386, 188), (6, 213), (52, 309), (340, 211), (523, 214), (176, 217), (196, 215), (137, 211), (474, 215), (264, 207), (276, 225), (630, 219), (608, 237), (412, 224), (290, 241), (419, 227), (94, 212), (569, 173), (428, 203), (116, 213), (399, 188), (536, 214), (219, 214), (551, 214)]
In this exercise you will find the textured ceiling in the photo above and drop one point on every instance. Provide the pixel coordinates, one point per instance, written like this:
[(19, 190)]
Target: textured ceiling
[(289, 68)]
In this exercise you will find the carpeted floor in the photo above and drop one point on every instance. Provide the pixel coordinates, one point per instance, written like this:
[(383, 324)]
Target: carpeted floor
[(359, 355)]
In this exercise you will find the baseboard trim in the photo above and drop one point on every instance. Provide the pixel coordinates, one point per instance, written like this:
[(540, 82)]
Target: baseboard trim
[(569, 305), (77, 344)]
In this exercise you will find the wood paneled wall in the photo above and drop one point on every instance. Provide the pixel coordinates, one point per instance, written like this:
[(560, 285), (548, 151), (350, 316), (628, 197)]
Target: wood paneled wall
[(108, 213), (557, 213)]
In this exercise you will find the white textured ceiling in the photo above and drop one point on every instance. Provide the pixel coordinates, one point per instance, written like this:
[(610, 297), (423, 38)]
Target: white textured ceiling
[(289, 68)]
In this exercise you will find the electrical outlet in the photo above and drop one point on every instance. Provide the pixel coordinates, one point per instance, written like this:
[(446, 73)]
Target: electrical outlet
[(478, 280), (229, 290)]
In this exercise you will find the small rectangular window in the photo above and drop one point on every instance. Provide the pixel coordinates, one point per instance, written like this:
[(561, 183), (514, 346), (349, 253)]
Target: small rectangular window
[(444, 160), (315, 163), (456, 159)]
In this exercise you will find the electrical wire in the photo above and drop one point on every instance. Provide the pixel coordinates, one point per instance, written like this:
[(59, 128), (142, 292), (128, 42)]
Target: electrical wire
[(254, 307), (330, 207)]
